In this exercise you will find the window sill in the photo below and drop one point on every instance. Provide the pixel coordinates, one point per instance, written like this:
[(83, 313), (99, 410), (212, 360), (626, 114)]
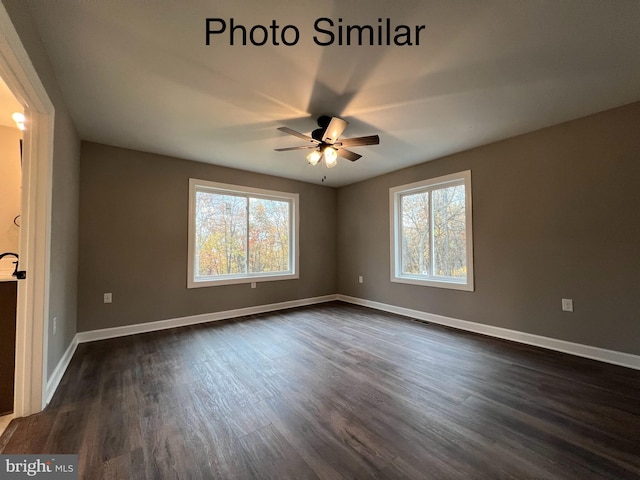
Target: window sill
[(231, 280), (451, 285)]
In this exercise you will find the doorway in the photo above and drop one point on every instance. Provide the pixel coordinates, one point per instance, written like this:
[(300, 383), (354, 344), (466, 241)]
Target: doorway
[(11, 124), (32, 309)]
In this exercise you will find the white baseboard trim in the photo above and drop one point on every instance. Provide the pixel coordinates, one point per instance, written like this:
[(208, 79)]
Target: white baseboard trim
[(54, 380), (587, 351), (105, 333)]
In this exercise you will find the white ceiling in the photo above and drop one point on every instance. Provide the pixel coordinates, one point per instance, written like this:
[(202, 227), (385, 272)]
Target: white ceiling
[(137, 74)]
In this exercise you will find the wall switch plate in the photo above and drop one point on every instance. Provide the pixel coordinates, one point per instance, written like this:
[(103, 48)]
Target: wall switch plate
[(360, 279), (567, 305), (55, 325), (253, 284), (108, 298)]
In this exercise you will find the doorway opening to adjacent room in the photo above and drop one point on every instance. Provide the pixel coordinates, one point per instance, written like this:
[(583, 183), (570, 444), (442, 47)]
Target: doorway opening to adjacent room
[(17, 71)]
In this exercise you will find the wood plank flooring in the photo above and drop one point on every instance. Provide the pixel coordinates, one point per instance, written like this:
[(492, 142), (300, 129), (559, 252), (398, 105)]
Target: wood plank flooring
[(336, 391)]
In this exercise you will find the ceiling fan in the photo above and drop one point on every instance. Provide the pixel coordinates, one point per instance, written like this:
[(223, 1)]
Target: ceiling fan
[(326, 144)]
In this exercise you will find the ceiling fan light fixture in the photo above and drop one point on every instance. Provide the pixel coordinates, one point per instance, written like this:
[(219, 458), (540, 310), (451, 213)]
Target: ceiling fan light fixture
[(314, 157), (330, 157), (325, 142)]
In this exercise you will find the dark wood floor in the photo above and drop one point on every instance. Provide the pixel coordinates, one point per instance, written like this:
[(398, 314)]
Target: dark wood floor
[(336, 391)]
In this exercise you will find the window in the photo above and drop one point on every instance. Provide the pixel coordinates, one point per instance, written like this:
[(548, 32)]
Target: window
[(240, 234), (431, 234)]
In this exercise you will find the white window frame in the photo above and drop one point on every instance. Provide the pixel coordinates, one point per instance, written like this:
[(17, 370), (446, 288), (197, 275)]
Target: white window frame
[(196, 185), (395, 194)]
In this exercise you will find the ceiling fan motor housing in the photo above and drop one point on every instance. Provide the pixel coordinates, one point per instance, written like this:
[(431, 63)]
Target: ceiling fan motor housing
[(318, 133), (323, 123)]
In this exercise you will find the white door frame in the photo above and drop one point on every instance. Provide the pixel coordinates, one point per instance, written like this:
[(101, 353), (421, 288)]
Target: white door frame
[(22, 79)]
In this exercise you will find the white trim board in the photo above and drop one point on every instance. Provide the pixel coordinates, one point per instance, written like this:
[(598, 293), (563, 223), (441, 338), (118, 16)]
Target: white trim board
[(58, 373), (105, 333), (587, 351), (32, 313), (595, 353)]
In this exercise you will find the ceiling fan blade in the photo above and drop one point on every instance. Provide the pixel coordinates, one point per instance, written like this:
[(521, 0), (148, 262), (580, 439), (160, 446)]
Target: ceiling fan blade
[(304, 147), (357, 141), (334, 130), (297, 134), (349, 155)]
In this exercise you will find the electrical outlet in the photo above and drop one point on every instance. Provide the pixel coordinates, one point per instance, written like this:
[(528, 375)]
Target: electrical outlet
[(360, 279), (567, 305), (253, 284), (108, 298), (55, 325)]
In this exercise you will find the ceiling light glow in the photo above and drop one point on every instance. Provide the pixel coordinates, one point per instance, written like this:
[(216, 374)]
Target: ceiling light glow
[(330, 157), (19, 119), (314, 157)]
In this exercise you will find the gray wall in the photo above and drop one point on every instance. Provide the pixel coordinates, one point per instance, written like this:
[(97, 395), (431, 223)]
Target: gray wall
[(64, 211), (133, 239), (556, 213)]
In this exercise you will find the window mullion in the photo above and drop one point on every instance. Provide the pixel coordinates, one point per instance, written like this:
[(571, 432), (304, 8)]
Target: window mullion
[(432, 252), (290, 237), (246, 242), (399, 235)]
